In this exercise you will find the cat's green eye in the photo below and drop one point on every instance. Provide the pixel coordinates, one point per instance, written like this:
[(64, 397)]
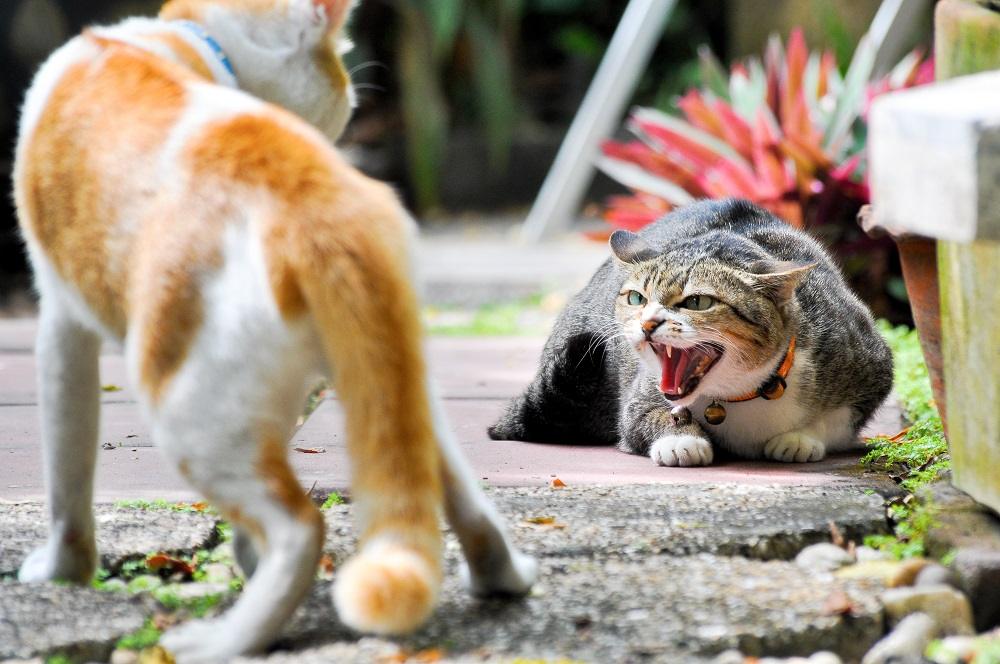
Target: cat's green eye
[(697, 302), (635, 298)]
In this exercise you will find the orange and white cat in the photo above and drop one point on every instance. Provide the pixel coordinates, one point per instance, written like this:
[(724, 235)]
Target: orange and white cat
[(169, 201)]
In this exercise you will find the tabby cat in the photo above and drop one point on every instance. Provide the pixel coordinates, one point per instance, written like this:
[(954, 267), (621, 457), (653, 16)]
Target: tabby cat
[(169, 202), (718, 326)]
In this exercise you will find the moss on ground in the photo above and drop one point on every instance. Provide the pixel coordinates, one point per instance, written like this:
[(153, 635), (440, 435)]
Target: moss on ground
[(916, 456)]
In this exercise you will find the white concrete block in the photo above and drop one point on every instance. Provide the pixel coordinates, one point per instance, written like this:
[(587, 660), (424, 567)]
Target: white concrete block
[(934, 159)]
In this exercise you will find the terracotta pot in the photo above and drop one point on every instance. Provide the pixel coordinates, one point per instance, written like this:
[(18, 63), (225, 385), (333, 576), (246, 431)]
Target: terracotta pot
[(918, 256)]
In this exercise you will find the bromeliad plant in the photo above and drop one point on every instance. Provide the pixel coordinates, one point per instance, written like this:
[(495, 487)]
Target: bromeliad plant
[(787, 132)]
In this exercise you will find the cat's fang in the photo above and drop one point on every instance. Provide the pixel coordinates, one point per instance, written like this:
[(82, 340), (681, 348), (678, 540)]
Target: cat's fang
[(683, 368)]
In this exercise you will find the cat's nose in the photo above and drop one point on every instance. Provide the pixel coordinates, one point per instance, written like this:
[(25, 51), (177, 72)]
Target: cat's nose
[(650, 325)]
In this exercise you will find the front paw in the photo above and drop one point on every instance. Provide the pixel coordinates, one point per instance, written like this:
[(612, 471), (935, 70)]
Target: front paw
[(681, 450), (54, 563), (205, 641), (794, 446)]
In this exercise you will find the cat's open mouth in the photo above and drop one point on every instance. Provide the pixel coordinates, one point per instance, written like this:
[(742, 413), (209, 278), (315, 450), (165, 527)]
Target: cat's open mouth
[(683, 368)]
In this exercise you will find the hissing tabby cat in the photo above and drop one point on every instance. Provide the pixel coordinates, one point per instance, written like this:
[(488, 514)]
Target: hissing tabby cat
[(723, 310), (237, 256)]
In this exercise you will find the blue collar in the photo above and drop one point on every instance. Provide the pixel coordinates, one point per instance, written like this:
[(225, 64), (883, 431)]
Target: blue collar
[(198, 31)]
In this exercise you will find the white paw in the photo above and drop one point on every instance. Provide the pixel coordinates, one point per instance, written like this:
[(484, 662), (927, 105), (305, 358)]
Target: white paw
[(681, 450), (49, 563), (794, 446), (514, 579), (203, 641)]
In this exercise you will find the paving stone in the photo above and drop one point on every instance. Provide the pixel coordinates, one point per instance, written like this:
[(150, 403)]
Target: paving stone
[(635, 521), (122, 533), (658, 609), (18, 384), (48, 619)]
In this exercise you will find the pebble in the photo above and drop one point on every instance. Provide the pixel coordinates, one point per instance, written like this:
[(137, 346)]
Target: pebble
[(950, 609), (893, 573), (218, 573), (904, 644), (936, 575), (120, 656), (978, 571), (866, 554), (823, 557), (736, 657)]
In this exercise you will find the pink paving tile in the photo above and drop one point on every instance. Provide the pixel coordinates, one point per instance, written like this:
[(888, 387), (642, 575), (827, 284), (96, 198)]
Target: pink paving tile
[(483, 367), (121, 425), (18, 385)]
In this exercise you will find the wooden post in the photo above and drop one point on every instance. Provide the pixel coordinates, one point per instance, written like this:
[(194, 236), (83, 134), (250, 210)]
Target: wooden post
[(967, 41)]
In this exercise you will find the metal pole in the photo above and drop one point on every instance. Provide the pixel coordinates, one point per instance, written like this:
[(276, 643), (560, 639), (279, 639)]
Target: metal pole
[(623, 63)]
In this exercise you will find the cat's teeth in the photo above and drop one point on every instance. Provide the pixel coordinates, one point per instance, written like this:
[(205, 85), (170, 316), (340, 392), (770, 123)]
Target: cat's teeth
[(669, 351)]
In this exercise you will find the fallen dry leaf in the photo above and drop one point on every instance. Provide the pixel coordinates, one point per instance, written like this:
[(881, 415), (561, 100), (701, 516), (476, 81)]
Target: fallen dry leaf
[(159, 562), (326, 566), (107, 446), (310, 450), (543, 522), (557, 483), (111, 388)]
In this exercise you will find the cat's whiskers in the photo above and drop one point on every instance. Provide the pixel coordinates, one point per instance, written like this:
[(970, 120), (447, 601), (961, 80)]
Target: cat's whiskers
[(365, 65)]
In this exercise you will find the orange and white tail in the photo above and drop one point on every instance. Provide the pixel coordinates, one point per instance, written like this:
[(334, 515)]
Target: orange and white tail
[(358, 290)]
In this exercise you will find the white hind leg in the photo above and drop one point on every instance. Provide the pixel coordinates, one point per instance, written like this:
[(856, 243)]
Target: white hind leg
[(69, 392), (494, 566), (224, 421)]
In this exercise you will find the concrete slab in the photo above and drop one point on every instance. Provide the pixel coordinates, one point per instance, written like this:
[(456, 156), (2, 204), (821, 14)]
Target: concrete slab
[(121, 426), (122, 533), (635, 521), (83, 624), (658, 609), (18, 385)]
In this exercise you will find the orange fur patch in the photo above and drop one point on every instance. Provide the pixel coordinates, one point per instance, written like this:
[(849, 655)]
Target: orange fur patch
[(87, 165)]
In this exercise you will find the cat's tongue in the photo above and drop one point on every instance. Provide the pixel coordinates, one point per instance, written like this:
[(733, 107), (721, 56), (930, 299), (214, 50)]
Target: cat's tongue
[(683, 368)]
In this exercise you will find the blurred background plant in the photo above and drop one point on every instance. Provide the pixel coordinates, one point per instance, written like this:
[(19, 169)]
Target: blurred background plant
[(462, 103), (787, 131)]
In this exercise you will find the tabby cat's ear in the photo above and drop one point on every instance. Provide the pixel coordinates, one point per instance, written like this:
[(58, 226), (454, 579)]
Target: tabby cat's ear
[(630, 248), (778, 280), (336, 12)]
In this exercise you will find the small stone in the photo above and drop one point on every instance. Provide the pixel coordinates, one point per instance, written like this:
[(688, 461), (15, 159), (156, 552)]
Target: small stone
[(978, 571), (866, 554), (935, 574), (120, 656), (950, 609), (189, 591), (904, 644), (880, 570), (218, 573), (823, 557), (825, 657), (907, 572)]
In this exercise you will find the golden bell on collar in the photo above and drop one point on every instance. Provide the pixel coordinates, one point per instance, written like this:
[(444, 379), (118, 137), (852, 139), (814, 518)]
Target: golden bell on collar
[(715, 413)]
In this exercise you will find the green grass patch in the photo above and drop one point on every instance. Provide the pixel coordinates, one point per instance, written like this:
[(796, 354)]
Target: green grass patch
[(164, 505), (915, 457), (146, 636), (333, 499), (521, 317)]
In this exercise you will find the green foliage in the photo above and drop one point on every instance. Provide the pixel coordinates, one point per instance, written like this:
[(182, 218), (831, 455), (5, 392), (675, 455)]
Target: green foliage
[(918, 456), (333, 499), (144, 637), (985, 650), (165, 505), (519, 317), (172, 600), (58, 659)]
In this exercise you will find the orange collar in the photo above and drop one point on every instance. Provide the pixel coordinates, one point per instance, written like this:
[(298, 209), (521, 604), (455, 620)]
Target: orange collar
[(774, 386)]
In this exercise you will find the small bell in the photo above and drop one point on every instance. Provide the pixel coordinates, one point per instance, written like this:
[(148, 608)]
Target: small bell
[(715, 413), (773, 389), (680, 415)]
